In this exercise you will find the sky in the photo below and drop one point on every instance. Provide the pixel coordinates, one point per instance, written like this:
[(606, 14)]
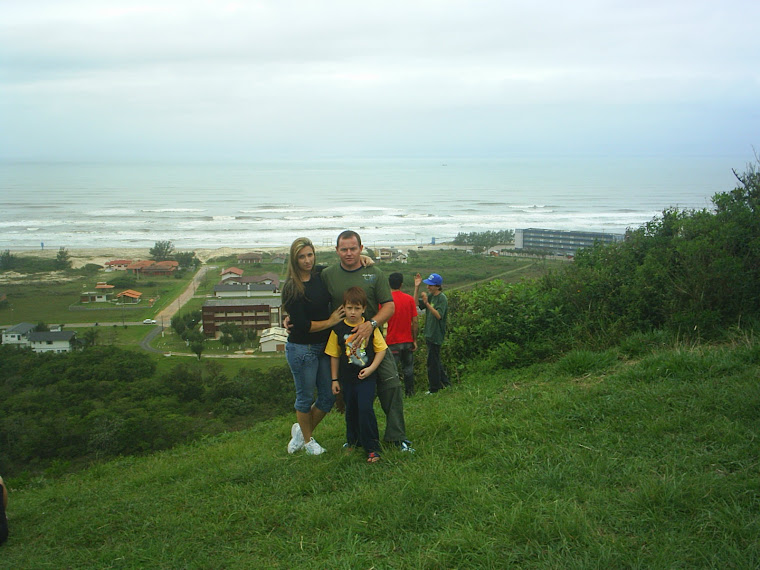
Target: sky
[(283, 79)]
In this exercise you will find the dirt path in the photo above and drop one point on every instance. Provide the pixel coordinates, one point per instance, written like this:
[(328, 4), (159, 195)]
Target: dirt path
[(166, 314), (491, 278)]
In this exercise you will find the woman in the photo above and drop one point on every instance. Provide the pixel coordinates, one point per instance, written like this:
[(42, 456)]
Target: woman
[(307, 302)]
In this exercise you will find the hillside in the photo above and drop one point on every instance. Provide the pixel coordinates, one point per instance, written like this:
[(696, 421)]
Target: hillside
[(642, 456)]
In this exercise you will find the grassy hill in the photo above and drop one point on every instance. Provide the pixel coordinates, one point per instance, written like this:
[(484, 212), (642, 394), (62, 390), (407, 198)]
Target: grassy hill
[(644, 456)]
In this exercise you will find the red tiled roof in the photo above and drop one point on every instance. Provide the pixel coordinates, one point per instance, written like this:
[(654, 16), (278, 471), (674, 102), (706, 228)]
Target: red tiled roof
[(130, 293), (119, 262), (234, 270)]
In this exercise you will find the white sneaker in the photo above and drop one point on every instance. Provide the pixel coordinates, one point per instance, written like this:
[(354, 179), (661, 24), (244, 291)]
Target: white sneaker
[(296, 439), (313, 448)]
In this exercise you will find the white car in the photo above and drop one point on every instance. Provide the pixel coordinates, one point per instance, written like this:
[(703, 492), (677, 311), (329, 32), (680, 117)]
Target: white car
[(149, 322)]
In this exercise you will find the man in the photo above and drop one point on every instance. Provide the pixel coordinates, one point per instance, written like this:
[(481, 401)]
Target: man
[(380, 307), (403, 326), (437, 308)]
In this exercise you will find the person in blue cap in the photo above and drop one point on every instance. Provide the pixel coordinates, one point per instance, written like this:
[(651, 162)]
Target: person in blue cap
[(437, 307)]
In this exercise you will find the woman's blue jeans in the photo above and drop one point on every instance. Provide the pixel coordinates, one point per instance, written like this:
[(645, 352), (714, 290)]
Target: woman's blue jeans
[(310, 367)]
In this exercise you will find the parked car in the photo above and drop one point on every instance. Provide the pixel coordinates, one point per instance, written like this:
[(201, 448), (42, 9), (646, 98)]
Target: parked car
[(149, 322)]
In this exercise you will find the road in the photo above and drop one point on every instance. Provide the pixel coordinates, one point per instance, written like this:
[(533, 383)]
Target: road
[(171, 309)]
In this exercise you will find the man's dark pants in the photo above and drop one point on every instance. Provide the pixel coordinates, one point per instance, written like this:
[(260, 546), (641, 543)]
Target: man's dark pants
[(404, 354)]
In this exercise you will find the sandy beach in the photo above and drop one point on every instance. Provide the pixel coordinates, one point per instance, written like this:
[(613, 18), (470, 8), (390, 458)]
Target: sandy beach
[(82, 256), (99, 256)]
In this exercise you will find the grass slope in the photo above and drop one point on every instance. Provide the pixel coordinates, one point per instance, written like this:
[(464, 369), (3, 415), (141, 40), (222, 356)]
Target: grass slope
[(602, 460)]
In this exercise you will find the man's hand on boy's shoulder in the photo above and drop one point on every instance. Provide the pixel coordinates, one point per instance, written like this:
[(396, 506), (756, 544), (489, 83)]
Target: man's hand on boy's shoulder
[(362, 332)]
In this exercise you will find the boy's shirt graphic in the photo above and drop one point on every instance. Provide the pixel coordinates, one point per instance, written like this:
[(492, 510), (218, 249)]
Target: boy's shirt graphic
[(340, 345), (356, 355)]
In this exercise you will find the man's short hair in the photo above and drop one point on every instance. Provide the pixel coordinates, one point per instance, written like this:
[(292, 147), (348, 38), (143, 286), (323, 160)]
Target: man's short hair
[(348, 234), (395, 280), (355, 296)]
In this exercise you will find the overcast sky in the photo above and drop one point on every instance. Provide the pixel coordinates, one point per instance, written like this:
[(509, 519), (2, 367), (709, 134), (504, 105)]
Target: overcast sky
[(194, 79)]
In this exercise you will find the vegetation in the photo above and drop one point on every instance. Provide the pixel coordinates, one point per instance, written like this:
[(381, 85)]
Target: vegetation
[(162, 251), (694, 274), (30, 299), (105, 401), (637, 458), (604, 415), (62, 260), (481, 241)]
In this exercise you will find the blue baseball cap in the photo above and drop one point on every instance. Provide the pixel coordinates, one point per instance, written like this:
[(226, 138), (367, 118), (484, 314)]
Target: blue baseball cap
[(434, 279)]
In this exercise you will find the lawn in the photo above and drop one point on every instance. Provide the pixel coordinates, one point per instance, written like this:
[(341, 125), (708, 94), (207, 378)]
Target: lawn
[(58, 302), (596, 461)]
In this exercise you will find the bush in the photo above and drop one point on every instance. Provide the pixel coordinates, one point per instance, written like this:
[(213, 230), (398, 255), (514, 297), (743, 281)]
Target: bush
[(690, 274)]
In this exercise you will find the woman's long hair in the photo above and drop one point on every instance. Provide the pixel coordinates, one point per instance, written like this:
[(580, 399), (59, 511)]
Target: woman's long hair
[(293, 289)]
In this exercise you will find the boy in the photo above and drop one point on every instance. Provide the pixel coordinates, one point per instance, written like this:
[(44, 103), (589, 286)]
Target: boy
[(437, 307), (353, 371)]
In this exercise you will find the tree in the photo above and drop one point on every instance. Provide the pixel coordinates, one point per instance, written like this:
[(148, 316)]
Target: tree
[(197, 347), (238, 337), (7, 260), (187, 259), (41, 327), (162, 250), (62, 260), (89, 337)]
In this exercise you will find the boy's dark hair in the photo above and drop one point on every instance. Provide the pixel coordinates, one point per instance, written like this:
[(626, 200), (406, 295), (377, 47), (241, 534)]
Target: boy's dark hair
[(395, 280), (355, 296)]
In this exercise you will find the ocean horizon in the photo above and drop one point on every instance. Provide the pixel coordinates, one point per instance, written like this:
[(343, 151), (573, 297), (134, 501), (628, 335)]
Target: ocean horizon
[(388, 201)]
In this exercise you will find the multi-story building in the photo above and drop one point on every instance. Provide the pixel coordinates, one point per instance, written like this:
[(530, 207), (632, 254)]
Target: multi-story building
[(248, 313), (560, 242)]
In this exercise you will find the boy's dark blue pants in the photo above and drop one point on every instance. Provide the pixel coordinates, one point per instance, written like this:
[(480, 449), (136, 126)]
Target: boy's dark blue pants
[(361, 423)]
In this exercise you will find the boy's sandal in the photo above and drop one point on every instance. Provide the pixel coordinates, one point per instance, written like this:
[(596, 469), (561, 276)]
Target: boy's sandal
[(373, 458)]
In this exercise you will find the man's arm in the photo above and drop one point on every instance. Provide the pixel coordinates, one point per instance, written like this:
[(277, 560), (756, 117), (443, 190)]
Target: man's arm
[(364, 331), (430, 308), (417, 283), (415, 327)]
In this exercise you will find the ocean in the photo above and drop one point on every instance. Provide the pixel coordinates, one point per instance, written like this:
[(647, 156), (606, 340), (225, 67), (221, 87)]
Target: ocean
[(389, 202)]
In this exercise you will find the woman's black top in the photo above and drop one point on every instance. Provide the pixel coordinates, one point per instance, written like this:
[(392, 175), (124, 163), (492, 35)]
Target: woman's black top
[(315, 306)]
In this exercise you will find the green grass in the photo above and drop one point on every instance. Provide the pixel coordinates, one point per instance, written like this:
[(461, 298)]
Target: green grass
[(117, 335), (57, 302), (609, 462), (229, 366)]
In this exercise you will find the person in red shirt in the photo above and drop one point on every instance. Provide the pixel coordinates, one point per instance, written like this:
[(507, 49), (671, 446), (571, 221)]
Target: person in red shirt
[(403, 326)]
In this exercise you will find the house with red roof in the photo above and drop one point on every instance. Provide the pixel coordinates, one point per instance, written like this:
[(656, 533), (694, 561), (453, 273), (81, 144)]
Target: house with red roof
[(230, 273), (129, 296), (103, 293)]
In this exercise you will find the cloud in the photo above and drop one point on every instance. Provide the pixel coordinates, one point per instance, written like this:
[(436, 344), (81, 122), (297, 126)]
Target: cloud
[(344, 77)]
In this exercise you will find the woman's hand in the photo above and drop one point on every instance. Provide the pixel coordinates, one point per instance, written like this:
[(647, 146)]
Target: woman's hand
[(337, 315), (366, 260)]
